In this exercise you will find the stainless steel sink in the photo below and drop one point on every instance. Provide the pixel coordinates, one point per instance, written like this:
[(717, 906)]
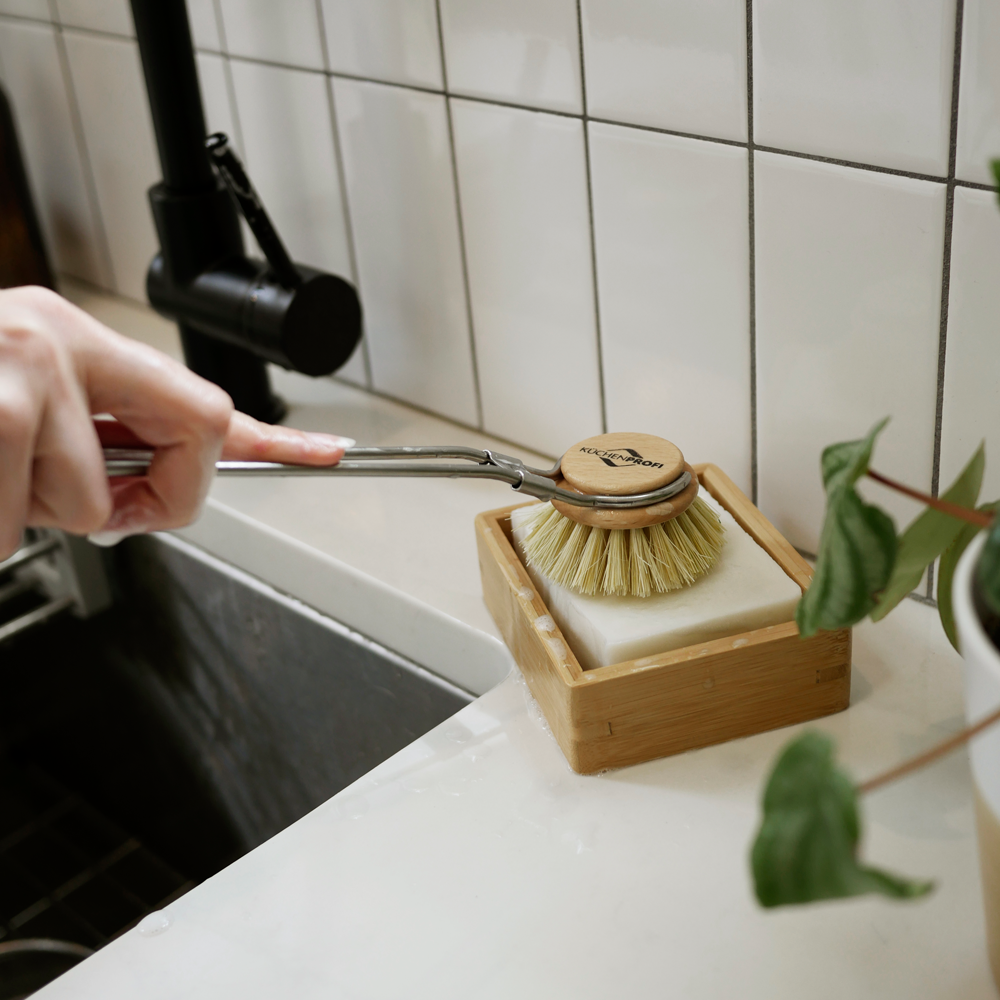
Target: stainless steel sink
[(205, 711)]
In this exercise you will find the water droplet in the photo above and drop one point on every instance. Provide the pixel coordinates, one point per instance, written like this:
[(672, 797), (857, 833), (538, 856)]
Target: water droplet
[(355, 809), (457, 735), (739, 642), (154, 923)]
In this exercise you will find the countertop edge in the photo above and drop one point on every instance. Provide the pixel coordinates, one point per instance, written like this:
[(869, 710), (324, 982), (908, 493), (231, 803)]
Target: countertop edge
[(438, 642)]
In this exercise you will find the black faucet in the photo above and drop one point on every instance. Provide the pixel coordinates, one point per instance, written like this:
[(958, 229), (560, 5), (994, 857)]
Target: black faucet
[(234, 313)]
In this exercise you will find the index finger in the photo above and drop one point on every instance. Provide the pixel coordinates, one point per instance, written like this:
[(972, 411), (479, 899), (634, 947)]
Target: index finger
[(249, 440)]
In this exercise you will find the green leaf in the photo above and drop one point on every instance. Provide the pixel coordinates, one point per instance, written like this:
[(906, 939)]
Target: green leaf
[(946, 572), (988, 569), (806, 848), (929, 535), (995, 166), (857, 547)]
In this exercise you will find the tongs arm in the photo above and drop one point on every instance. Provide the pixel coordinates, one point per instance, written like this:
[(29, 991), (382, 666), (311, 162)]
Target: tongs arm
[(418, 461)]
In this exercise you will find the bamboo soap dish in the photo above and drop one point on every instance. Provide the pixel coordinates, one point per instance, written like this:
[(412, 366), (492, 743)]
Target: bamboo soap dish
[(659, 705)]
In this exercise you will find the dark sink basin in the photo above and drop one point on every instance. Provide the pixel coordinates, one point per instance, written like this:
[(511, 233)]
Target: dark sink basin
[(205, 711)]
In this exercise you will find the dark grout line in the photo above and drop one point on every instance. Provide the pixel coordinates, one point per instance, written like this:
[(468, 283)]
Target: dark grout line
[(338, 74), (275, 63), (499, 102), (220, 27), (602, 392), (949, 220), (49, 21), (438, 415), (456, 187), (234, 108), (669, 131), (956, 74), (752, 261), (338, 157), (854, 164), (974, 185), (92, 32), (83, 151)]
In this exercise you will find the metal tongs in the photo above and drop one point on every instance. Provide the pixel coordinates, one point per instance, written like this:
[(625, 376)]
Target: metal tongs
[(477, 464)]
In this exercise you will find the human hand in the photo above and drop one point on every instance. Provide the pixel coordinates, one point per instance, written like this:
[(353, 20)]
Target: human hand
[(58, 367)]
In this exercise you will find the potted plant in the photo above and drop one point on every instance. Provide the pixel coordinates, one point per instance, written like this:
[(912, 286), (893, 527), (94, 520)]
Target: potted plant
[(806, 848)]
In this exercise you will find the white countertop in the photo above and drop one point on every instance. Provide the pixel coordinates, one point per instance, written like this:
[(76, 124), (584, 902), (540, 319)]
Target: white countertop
[(475, 863)]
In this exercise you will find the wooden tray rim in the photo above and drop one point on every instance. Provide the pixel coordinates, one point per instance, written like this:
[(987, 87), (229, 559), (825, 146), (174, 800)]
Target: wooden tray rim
[(739, 505)]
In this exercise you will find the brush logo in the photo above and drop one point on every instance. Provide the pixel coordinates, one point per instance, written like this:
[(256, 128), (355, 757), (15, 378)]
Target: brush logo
[(623, 458)]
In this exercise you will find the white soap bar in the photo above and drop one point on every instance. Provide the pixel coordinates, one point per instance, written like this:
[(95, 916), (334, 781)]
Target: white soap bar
[(745, 590)]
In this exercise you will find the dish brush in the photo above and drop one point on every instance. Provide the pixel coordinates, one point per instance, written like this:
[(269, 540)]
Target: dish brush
[(622, 515), (624, 553)]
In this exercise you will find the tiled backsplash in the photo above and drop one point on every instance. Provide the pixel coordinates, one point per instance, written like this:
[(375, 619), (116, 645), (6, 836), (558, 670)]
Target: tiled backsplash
[(752, 226)]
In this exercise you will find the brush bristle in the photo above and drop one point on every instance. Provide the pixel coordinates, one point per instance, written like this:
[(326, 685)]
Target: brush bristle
[(633, 562)]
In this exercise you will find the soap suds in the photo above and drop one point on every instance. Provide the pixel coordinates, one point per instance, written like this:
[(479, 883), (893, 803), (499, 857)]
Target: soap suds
[(534, 710), (545, 623), (557, 647)]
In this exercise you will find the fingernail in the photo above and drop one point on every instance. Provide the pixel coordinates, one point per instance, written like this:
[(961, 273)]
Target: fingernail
[(106, 539), (333, 439)]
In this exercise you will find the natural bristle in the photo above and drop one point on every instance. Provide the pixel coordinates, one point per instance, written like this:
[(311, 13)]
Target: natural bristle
[(633, 562)]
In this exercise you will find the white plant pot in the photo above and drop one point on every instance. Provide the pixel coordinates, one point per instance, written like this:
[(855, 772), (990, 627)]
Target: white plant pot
[(982, 696)]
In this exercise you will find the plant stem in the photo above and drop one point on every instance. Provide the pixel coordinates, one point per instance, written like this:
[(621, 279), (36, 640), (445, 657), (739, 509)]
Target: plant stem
[(979, 519), (928, 756)]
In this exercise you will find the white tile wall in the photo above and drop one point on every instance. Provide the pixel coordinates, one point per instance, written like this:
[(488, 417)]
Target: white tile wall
[(522, 51), (971, 386), (671, 217), (391, 40), (285, 32), (114, 16), (532, 303), (672, 64), (288, 145), (399, 179), (107, 80), (32, 74), (848, 305), (848, 264), (862, 80), (979, 110)]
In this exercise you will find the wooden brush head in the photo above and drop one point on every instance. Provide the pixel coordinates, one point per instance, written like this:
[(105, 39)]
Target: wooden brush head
[(623, 464)]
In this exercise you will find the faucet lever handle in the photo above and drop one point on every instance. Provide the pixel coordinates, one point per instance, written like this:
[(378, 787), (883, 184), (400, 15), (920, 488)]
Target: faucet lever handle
[(230, 169)]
